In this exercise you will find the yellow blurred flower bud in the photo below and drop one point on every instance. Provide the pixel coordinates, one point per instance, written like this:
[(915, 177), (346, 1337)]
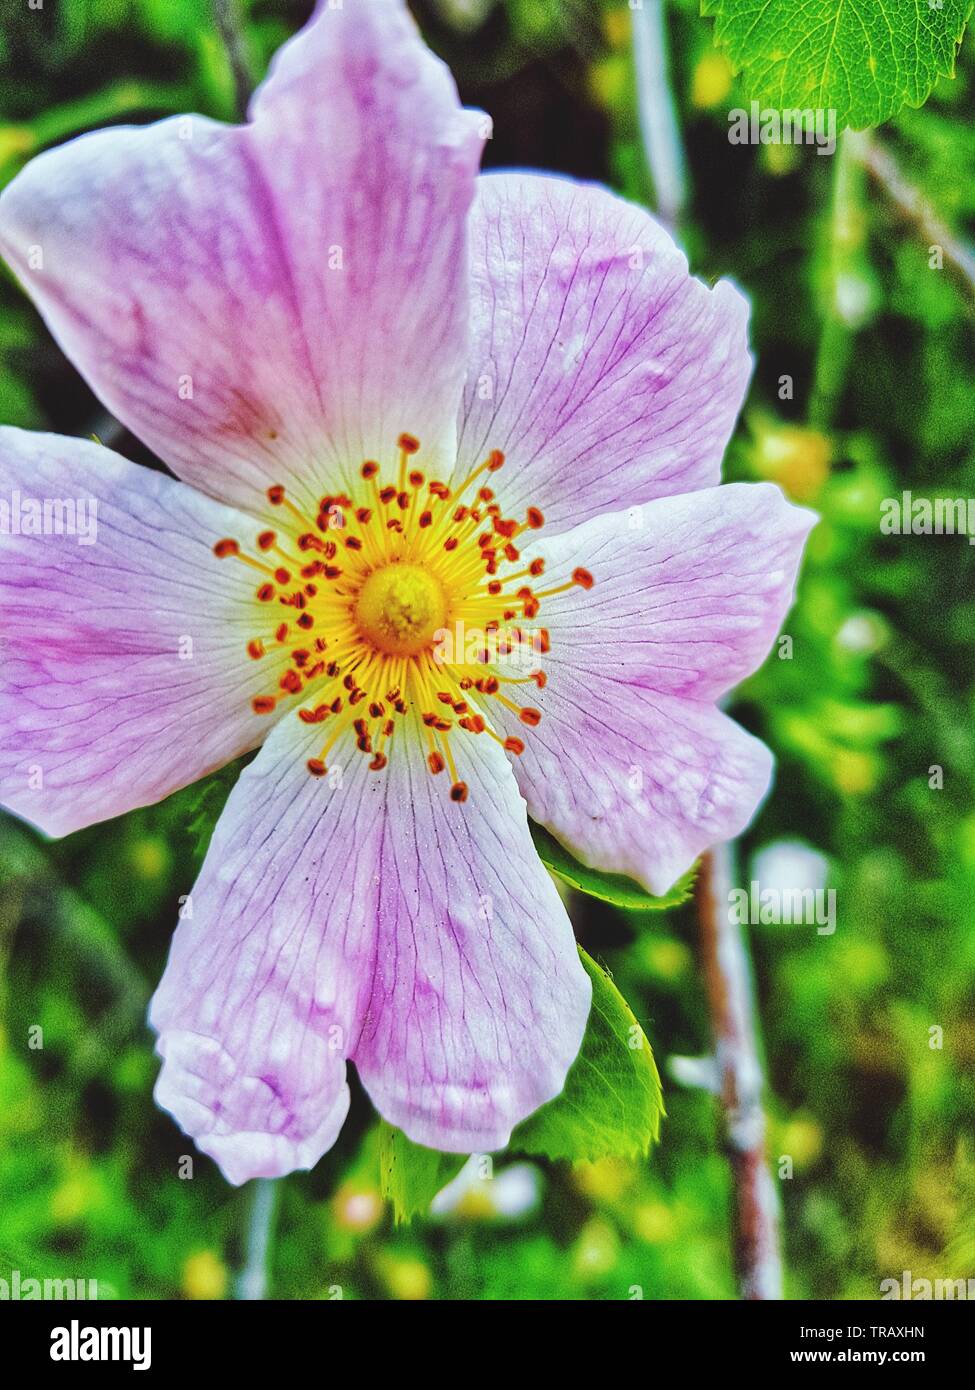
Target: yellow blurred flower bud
[(797, 459), (654, 1223), (204, 1276), (854, 772), (596, 1250), (711, 81), (605, 1180), (616, 26), (149, 856), (406, 1279)]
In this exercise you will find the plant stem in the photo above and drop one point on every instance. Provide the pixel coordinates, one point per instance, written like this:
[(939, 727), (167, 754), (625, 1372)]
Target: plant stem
[(842, 311), (881, 165), (253, 1280), (729, 989), (657, 111), (227, 17)]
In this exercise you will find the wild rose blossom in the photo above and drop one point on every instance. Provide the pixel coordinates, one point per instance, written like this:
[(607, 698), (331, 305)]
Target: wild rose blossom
[(406, 402)]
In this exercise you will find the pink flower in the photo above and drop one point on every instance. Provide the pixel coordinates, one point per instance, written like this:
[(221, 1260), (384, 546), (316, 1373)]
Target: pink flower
[(336, 333)]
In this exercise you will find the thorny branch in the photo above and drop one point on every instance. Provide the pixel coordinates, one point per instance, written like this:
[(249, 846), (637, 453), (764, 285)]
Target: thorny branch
[(226, 16), (729, 989), (882, 166)]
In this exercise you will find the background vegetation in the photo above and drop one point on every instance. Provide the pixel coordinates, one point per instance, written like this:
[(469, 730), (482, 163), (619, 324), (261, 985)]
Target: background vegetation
[(879, 689)]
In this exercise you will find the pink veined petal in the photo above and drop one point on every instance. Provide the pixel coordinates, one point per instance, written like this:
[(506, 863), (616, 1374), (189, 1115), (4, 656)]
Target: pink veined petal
[(632, 767), (689, 591), (276, 302), (604, 371), (478, 1001), (124, 665), (641, 788), (365, 915), (269, 971)]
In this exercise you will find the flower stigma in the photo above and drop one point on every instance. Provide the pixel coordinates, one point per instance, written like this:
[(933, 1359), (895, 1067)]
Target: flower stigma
[(399, 609)]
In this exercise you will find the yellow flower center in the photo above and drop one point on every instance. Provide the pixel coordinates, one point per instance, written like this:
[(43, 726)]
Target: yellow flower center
[(413, 598), (400, 608)]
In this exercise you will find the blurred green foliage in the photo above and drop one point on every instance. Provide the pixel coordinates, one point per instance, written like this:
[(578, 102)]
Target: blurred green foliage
[(877, 689)]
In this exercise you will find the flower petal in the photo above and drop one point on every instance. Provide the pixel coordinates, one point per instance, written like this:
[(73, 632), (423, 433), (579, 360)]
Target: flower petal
[(124, 644), (632, 767), (603, 371), (689, 591), (276, 302), (366, 916), (640, 786), (479, 1001), (268, 972)]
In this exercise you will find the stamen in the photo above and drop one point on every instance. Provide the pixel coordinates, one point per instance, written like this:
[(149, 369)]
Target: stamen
[(384, 577)]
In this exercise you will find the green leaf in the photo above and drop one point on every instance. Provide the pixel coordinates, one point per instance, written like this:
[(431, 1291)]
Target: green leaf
[(198, 807), (616, 889), (864, 59), (611, 1106), (410, 1176), (612, 1103)]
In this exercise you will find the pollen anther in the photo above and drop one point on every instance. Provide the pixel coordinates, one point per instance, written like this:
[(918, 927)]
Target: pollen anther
[(401, 579)]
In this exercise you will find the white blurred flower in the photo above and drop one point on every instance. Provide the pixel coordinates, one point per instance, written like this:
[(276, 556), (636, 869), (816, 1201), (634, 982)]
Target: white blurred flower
[(465, 15), (477, 1195), (862, 632), (790, 865)]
